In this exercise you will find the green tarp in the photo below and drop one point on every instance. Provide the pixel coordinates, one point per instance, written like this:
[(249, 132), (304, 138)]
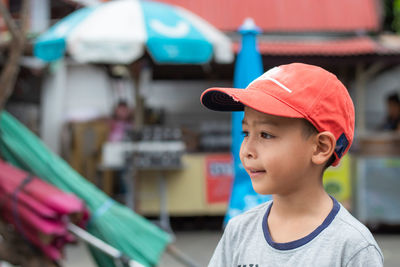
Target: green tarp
[(112, 222)]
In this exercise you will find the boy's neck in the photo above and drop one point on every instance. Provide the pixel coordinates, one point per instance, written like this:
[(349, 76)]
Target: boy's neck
[(302, 203), (309, 198), (296, 215)]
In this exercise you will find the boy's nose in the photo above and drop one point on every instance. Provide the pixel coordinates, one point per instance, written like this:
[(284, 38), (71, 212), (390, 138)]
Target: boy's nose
[(247, 150)]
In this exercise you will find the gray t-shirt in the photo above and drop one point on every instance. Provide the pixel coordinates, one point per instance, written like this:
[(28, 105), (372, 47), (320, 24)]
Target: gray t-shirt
[(341, 240)]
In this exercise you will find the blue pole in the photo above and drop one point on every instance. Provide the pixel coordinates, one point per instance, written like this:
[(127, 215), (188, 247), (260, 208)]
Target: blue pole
[(247, 68)]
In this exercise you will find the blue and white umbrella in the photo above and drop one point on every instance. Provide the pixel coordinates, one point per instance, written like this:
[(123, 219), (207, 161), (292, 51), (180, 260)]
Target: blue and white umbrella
[(120, 31)]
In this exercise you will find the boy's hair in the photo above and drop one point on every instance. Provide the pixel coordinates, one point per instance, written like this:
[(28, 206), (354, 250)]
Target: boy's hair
[(308, 131)]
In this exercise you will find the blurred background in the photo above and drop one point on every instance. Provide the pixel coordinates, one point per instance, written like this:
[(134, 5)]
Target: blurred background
[(126, 114)]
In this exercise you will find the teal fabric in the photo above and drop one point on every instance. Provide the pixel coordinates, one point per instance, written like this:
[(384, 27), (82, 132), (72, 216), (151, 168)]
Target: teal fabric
[(171, 39), (51, 45), (188, 46)]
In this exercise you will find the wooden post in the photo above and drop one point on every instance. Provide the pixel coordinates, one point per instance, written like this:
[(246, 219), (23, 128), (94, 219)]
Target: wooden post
[(360, 98), (363, 74), (13, 247), (53, 105), (135, 71), (16, 47)]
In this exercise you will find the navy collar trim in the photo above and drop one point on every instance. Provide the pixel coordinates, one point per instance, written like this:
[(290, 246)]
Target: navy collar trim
[(302, 241)]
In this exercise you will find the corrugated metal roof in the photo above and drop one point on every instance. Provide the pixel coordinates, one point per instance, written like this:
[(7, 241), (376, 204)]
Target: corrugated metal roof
[(336, 47), (288, 15)]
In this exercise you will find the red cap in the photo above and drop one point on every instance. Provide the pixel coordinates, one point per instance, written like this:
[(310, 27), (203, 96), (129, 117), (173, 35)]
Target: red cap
[(296, 91)]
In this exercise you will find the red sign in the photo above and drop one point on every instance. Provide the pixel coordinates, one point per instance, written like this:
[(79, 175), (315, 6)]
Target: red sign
[(219, 177)]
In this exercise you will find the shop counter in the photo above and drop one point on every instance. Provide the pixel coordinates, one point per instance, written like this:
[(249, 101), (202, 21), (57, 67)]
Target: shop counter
[(200, 188)]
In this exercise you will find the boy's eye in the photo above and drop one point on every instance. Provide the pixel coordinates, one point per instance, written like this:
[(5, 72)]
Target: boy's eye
[(245, 133), (266, 135)]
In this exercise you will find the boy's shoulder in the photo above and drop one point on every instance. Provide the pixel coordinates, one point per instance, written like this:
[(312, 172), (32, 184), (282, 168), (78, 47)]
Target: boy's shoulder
[(350, 235), (353, 228)]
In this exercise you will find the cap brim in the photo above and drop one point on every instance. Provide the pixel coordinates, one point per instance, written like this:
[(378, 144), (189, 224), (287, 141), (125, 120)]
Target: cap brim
[(233, 99)]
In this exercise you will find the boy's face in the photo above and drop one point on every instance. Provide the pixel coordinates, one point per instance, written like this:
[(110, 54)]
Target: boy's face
[(275, 152)]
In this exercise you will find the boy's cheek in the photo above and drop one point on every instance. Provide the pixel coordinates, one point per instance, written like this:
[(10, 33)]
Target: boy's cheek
[(241, 152)]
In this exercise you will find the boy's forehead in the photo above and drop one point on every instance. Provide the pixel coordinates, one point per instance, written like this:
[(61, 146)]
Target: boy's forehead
[(254, 116)]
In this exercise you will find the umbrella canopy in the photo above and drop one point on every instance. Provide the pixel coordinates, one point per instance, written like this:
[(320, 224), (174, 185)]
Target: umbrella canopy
[(120, 31), (248, 67)]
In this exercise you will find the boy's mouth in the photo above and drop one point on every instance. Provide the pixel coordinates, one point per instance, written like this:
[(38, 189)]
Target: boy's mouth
[(255, 172)]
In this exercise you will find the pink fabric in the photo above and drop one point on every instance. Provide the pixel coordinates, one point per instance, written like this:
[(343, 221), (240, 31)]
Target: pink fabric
[(39, 210), (118, 130)]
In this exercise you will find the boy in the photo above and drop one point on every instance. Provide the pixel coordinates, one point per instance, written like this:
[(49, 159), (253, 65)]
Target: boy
[(298, 120)]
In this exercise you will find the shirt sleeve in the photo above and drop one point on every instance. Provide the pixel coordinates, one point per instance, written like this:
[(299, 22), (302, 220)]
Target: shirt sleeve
[(223, 255), (367, 257)]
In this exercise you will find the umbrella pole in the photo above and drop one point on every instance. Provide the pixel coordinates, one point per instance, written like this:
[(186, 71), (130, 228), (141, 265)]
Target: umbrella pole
[(101, 245), (180, 256), (135, 70), (116, 254)]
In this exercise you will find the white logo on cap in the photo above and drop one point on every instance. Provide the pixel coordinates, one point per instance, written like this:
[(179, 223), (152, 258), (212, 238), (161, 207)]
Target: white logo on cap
[(267, 76)]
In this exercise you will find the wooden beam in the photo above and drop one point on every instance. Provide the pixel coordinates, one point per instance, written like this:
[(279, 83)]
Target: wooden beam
[(363, 75), (135, 74), (10, 70)]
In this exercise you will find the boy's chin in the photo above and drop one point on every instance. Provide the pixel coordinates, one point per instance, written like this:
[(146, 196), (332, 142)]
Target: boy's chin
[(263, 191)]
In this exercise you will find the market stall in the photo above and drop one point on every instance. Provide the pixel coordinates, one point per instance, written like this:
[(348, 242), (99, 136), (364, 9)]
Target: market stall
[(123, 32), (377, 177)]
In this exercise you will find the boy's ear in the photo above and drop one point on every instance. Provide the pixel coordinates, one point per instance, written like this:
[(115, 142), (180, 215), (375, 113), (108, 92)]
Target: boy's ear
[(325, 143)]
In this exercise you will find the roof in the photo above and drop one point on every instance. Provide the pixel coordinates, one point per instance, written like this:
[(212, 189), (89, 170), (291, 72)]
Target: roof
[(288, 15), (385, 45), (336, 47)]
